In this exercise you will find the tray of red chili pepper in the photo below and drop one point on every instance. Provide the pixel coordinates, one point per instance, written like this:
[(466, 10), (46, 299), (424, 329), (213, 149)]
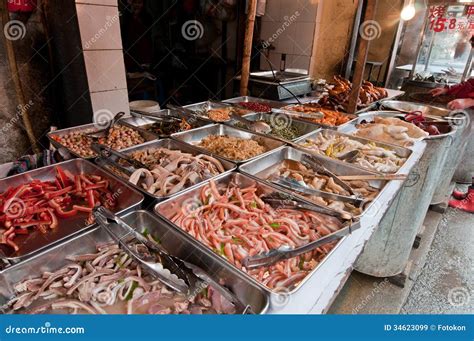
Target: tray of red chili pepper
[(47, 205)]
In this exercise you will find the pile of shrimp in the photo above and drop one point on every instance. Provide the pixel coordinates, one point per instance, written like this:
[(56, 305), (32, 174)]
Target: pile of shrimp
[(235, 223)]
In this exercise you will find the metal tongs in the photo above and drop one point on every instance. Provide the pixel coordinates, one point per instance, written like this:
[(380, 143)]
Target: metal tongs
[(285, 251), (165, 271), (174, 272), (107, 152), (313, 163)]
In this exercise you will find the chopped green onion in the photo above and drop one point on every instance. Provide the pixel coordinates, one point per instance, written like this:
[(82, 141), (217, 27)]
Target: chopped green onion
[(275, 225), (130, 292)]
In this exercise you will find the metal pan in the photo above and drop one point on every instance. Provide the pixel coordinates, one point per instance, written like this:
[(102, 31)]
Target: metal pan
[(168, 208), (142, 123), (200, 109), (87, 128), (262, 167), (350, 127), (408, 107), (55, 258), (165, 143), (195, 137), (400, 151), (304, 128), (297, 116), (246, 99), (127, 198)]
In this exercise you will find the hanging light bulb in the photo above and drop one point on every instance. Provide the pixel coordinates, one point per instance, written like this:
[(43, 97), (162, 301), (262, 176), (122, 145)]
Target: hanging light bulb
[(408, 12)]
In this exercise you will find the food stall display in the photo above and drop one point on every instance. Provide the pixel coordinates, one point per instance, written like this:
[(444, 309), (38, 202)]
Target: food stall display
[(226, 194)]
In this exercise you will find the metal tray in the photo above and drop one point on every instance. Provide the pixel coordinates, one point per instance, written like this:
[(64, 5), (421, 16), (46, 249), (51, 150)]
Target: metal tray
[(295, 116), (198, 109), (165, 143), (91, 127), (127, 199), (139, 124), (408, 107), (261, 167), (269, 102), (304, 128), (350, 127), (168, 208), (197, 135), (55, 258), (401, 151)]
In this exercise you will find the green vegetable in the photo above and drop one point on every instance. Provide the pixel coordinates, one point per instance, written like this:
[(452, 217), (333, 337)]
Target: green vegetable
[(301, 264), (253, 204), (237, 240), (275, 225), (130, 292)]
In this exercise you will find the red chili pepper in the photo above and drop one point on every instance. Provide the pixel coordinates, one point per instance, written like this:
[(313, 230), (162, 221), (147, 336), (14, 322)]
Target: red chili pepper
[(54, 220), (31, 223), (82, 208), (77, 180), (90, 198), (63, 191), (21, 231), (63, 177)]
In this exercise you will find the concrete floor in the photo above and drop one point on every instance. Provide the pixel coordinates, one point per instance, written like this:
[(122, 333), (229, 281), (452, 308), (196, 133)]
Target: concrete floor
[(446, 282), (441, 279)]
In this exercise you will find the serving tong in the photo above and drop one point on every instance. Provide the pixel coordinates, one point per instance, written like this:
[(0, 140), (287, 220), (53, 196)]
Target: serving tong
[(107, 153), (182, 276), (279, 200)]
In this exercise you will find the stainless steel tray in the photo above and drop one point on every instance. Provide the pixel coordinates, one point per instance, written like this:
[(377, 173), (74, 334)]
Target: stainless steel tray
[(140, 123), (127, 200), (91, 127), (264, 166), (304, 128), (165, 143), (197, 135), (200, 107), (408, 107), (350, 127), (400, 151), (269, 102), (296, 115), (55, 258), (168, 208)]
